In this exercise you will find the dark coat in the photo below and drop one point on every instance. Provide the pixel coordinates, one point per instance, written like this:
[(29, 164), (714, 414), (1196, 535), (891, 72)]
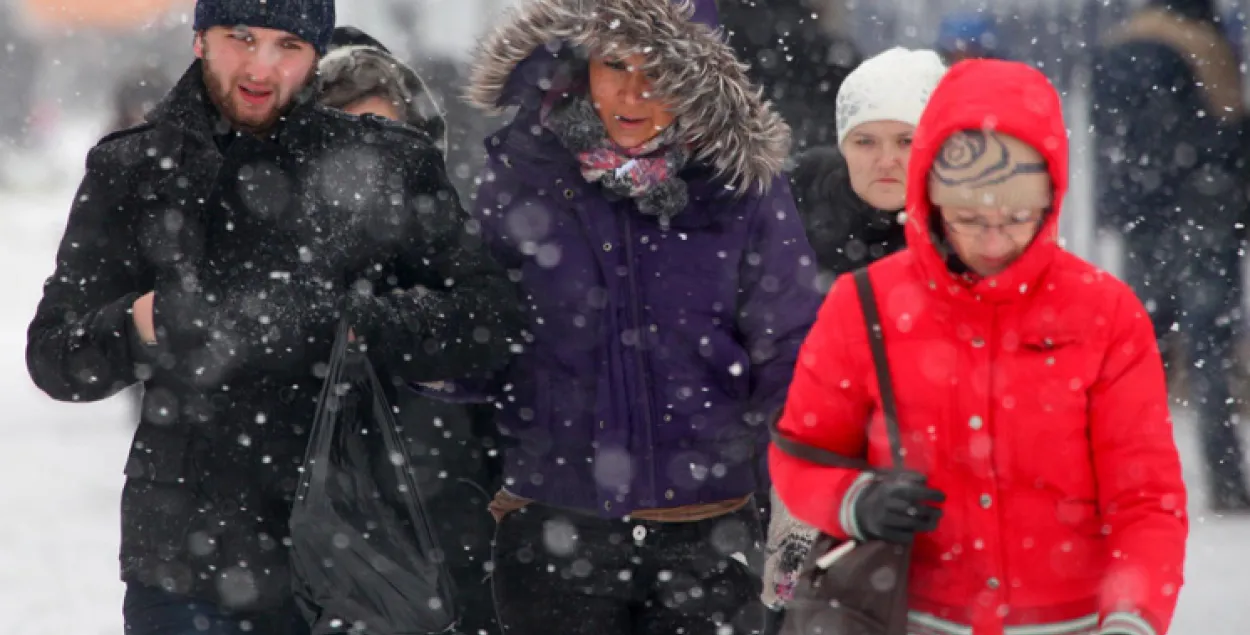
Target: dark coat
[(1168, 118), (798, 64), (657, 352), (255, 248), (845, 232)]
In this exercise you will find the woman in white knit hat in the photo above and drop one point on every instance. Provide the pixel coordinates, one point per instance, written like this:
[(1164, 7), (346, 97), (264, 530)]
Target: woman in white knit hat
[(851, 196), (851, 200)]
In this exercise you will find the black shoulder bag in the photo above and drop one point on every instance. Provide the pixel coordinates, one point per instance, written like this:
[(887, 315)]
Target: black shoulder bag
[(364, 556), (852, 588)]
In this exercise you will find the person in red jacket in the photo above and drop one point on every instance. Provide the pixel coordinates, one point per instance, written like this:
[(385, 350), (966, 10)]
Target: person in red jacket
[(1030, 393)]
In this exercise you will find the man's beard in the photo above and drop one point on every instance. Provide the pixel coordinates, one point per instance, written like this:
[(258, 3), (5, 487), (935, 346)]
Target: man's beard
[(222, 91)]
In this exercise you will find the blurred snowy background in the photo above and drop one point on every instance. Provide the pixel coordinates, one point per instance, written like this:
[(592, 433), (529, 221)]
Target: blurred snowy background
[(60, 61)]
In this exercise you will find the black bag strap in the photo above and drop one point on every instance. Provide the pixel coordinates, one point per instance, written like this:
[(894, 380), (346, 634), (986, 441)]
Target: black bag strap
[(397, 454), (811, 453), (876, 340), (325, 422)]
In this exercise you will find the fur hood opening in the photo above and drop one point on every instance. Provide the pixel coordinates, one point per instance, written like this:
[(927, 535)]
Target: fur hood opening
[(351, 73), (722, 116)]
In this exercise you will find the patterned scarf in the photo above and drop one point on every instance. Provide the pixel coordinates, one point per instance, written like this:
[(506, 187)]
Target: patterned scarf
[(647, 174)]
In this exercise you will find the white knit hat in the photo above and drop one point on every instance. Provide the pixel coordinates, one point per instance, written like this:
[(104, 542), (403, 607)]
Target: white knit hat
[(893, 86)]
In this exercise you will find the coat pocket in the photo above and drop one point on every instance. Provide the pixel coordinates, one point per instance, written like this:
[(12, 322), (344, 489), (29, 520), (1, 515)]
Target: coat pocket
[(1053, 368), (158, 508), (1051, 376)]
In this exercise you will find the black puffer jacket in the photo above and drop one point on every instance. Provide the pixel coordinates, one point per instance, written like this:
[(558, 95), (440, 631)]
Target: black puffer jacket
[(845, 232), (255, 248)]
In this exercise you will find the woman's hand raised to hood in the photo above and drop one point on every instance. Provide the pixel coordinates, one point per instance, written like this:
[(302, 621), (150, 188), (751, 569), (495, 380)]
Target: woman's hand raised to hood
[(455, 313)]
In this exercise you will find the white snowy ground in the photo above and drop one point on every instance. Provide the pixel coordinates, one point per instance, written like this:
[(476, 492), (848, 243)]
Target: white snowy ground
[(61, 465)]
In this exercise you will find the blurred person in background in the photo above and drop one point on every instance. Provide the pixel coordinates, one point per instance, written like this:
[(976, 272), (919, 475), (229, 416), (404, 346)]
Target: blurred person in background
[(1168, 118), (444, 80), (19, 72), (851, 198), (969, 35), (445, 75), (352, 36), (452, 444), (638, 197), (1042, 488), (799, 64), (136, 94), (212, 253), (366, 79)]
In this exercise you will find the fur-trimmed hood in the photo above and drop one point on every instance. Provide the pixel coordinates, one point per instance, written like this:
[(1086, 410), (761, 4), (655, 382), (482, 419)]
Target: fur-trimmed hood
[(722, 116), (351, 73)]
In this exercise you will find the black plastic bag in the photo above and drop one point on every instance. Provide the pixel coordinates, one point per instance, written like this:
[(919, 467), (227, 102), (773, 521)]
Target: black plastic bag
[(363, 554)]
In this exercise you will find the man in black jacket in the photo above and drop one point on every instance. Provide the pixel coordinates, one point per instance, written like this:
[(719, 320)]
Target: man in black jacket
[(210, 253)]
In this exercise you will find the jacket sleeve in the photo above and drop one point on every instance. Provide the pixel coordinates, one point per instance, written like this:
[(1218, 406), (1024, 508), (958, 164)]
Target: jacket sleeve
[(79, 347), (778, 299), (455, 313), (777, 304), (828, 407), (1141, 494)]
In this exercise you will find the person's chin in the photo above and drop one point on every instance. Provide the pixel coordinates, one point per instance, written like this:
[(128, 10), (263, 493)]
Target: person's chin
[(251, 116), (626, 142), (888, 198), (628, 139), (994, 267)]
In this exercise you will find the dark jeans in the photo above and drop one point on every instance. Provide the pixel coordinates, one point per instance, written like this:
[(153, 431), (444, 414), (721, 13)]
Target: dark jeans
[(152, 611), (563, 572), (1192, 278), (450, 447)]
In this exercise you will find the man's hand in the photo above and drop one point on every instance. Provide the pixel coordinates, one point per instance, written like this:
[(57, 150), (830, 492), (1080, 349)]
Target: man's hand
[(142, 313)]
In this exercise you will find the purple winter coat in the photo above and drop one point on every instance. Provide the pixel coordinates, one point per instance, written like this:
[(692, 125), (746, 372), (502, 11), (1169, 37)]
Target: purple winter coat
[(656, 354)]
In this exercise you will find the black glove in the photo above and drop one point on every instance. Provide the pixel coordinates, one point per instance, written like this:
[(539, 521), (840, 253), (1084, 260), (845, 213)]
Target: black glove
[(896, 506), (773, 619)]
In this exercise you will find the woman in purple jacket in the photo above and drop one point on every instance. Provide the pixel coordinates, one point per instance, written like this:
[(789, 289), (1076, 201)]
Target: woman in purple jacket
[(637, 196)]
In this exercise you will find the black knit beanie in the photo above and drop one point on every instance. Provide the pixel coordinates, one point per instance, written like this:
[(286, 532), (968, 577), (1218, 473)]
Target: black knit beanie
[(310, 20)]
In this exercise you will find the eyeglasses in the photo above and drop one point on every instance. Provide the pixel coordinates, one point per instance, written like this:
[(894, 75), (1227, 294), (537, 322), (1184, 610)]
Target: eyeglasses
[(979, 226)]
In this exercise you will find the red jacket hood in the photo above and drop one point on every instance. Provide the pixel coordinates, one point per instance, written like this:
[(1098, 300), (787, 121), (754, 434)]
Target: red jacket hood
[(1009, 97)]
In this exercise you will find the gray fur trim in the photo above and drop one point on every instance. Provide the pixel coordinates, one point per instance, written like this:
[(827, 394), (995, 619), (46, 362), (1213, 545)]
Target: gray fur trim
[(351, 73), (723, 117), (665, 201)]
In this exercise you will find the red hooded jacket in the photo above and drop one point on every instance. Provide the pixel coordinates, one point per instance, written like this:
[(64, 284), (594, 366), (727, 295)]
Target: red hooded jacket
[(1035, 399)]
